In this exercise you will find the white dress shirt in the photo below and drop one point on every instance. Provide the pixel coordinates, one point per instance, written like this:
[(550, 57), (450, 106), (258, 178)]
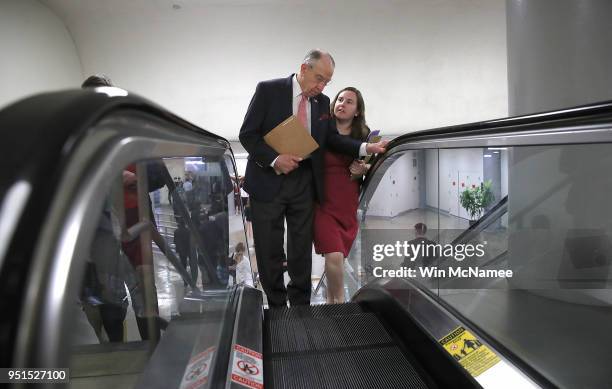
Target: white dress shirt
[(243, 272), (297, 97)]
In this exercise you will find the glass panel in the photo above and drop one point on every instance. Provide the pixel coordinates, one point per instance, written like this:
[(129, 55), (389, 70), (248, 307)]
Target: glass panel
[(542, 279), (241, 264), (472, 212), (399, 205), (168, 232), (556, 239)]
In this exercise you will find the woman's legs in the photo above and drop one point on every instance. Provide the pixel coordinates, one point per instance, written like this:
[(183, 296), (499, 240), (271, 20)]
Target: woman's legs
[(334, 271)]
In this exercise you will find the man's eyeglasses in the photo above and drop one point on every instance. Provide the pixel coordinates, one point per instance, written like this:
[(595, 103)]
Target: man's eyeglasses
[(320, 79)]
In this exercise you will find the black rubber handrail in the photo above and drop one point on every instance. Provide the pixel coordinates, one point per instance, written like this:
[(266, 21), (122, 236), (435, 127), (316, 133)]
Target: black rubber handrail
[(572, 116)]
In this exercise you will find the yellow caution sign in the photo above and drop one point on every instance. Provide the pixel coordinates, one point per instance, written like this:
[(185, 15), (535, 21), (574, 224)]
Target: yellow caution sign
[(474, 356)]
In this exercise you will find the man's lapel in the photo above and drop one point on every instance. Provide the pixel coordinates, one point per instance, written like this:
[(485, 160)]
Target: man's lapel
[(287, 105), (314, 118)]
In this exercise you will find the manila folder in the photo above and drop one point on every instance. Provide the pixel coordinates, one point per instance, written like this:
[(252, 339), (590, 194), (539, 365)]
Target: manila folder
[(290, 137)]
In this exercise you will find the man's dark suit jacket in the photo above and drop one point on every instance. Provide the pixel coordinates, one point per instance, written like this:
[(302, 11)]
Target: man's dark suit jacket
[(271, 104)]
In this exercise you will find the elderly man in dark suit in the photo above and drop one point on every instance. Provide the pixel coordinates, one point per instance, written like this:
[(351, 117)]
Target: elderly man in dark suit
[(283, 186)]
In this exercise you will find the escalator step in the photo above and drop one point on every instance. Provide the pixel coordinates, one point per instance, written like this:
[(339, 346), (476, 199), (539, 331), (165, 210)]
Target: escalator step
[(324, 333), (384, 367), (333, 346), (313, 311)]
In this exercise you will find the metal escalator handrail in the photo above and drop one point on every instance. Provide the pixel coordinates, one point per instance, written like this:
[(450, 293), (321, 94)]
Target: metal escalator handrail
[(573, 117), (568, 116)]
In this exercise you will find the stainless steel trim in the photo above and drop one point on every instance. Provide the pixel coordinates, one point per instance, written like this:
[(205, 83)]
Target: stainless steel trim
[(593, 133), (12, 206), (579, 134), (228, 375), (425, 318), (66, 235)]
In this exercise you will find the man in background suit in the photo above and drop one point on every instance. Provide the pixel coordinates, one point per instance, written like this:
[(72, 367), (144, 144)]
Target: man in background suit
[(283, 186)]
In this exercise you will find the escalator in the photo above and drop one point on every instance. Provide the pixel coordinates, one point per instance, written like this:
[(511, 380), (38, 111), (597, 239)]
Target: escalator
[(550, 228), (371, 342)]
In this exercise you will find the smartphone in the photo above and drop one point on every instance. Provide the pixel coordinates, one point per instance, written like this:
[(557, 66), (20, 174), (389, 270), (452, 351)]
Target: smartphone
[(372, 135)]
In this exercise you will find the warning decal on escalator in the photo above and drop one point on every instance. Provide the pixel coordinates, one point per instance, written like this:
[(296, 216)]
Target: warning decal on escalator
[(474, 356), (247, 367), (196, 373)]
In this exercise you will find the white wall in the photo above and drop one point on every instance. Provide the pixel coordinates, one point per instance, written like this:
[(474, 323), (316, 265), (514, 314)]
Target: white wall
[(455, 165), (37, 52), (398, 191), (419, 63), (432, 177)]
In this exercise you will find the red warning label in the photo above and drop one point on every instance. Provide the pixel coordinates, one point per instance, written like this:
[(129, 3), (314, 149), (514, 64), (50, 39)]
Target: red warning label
[(196, 373), (247, 367)]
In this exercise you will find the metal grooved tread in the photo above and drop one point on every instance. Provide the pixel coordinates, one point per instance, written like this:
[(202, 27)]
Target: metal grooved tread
[(333, 346)]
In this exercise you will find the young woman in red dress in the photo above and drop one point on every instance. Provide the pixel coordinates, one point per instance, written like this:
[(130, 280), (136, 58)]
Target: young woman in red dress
[(335, 220)]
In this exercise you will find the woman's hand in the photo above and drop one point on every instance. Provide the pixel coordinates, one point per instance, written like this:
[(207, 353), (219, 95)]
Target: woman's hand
[(129, 180), (358, 167)]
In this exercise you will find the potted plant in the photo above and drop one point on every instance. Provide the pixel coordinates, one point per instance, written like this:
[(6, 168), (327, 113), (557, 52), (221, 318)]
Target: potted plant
[(476, 199)]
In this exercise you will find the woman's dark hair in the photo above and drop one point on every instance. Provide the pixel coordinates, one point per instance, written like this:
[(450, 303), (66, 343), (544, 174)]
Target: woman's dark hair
[(96, 80), (359, 128)]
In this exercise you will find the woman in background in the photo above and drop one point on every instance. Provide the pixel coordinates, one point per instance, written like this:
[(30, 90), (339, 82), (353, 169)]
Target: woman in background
[(239, 266), (335, 220)]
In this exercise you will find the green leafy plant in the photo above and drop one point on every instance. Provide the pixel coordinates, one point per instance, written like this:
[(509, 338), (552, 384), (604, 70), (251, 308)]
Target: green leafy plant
[(475, 200)]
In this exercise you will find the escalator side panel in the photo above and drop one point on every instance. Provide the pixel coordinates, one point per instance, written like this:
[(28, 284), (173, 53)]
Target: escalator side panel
[(247, 333), (436, 362)]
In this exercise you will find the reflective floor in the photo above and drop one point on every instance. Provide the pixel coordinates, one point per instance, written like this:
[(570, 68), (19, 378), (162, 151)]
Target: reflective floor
[(170, 288)]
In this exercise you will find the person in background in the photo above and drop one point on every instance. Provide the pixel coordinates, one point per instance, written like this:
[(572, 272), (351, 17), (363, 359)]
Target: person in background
[(212, 238), (182, 242), (335, 220), (239, 266), (96, 80), (187, 185), (427, 254), (249, 221)]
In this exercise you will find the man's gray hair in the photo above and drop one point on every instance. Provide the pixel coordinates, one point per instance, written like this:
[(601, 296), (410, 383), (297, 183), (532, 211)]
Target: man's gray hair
[(314, 55)]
